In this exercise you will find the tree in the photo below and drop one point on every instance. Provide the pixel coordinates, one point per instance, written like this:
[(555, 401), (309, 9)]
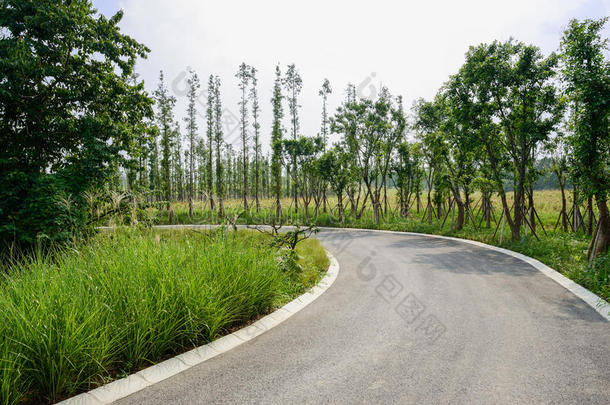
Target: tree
[(191, 122), (294, 83), (70, 113), (243, 75), (219, 142), (559, 150), (407, 168), (458, 147), (587, 76), (427, 123), (165, 121), (257, 146), (336, 168), (512, 106), (304, 150), (210, 131), (276, 142), (324, 92)]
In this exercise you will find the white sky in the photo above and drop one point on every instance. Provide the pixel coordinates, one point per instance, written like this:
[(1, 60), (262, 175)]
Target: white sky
[(409, 46)]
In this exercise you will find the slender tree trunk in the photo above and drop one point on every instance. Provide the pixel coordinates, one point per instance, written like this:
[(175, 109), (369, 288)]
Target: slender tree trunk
[(563, 214), (532, 213), (429, 207), (603, 237), (340, 205), (590, 216), (385, 196)]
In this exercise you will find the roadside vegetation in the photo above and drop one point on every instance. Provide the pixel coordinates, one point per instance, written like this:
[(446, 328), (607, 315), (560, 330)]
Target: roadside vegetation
[(564, 251), (77, 318)]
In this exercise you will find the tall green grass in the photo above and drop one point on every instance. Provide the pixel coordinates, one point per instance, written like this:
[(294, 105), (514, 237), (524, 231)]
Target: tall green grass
[(81, 317)]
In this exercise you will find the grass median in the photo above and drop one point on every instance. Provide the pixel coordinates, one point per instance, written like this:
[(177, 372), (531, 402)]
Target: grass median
[(82, 317)]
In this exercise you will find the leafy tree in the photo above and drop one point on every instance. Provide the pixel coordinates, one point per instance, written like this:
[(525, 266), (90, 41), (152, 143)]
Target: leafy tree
[(293, 84), (304, 150), (336, 168), (219, 142), (165, 122), (243, 75), (458, 147), (586, 73), (257, 145), (191, 122), (512, 106), (427, 124), (276, 142), (324, 92), (407, 167), (70, 113), (209, 116), (559, 150)]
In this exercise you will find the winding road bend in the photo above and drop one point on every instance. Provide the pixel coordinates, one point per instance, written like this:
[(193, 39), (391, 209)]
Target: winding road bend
[(415, 320)]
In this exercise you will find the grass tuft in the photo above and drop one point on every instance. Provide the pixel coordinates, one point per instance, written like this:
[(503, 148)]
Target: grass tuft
[(76, 319)]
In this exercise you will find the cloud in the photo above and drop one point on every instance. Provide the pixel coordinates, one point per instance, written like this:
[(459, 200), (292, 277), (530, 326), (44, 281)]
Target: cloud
[(410, 46)]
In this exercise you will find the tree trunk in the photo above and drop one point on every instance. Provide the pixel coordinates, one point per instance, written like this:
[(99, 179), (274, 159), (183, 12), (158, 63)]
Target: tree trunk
[(278, 207), (603, 237), (590, 215), (340, 205), (429, 208), (459, 225), (564, 216), (376, 209), (532, 213)]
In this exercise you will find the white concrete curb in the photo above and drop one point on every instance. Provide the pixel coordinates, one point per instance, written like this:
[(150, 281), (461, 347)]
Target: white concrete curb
[(593, 300), (135, 382)]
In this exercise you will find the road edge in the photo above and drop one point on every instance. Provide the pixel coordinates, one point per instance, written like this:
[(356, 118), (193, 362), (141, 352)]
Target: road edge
[(593, 300), (135, 382)]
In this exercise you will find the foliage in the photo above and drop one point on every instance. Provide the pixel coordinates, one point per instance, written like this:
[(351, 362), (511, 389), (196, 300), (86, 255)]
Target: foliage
[(586, 73), (69, 108)]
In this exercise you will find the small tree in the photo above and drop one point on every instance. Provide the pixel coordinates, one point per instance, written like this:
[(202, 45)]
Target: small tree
[(276, 142), (257, 145), (165, 121), (219, 143), (243, 75), (191, 123), (336, 168), (586, 73), (293, 84)]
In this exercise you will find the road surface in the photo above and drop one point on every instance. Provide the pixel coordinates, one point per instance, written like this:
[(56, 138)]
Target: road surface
[(415, 320)]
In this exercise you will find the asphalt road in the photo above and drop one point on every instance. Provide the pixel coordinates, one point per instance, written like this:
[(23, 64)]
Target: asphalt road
[(415, 320)]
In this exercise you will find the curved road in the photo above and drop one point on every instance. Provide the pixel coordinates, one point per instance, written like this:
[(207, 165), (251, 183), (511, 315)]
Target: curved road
[(415, 320)]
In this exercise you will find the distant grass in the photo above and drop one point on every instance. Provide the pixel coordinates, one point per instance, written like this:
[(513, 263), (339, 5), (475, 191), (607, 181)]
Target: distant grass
[(82, 317), (563, 251)]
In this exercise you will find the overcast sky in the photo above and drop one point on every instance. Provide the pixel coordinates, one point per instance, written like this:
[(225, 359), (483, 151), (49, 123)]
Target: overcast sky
[(409, 46)]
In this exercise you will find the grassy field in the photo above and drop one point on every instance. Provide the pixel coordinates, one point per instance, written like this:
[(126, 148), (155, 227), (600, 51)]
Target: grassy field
[(81, 317), (563, 251)]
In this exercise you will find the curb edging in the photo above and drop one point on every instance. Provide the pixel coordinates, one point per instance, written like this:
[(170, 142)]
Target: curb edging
[(135, 382)]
